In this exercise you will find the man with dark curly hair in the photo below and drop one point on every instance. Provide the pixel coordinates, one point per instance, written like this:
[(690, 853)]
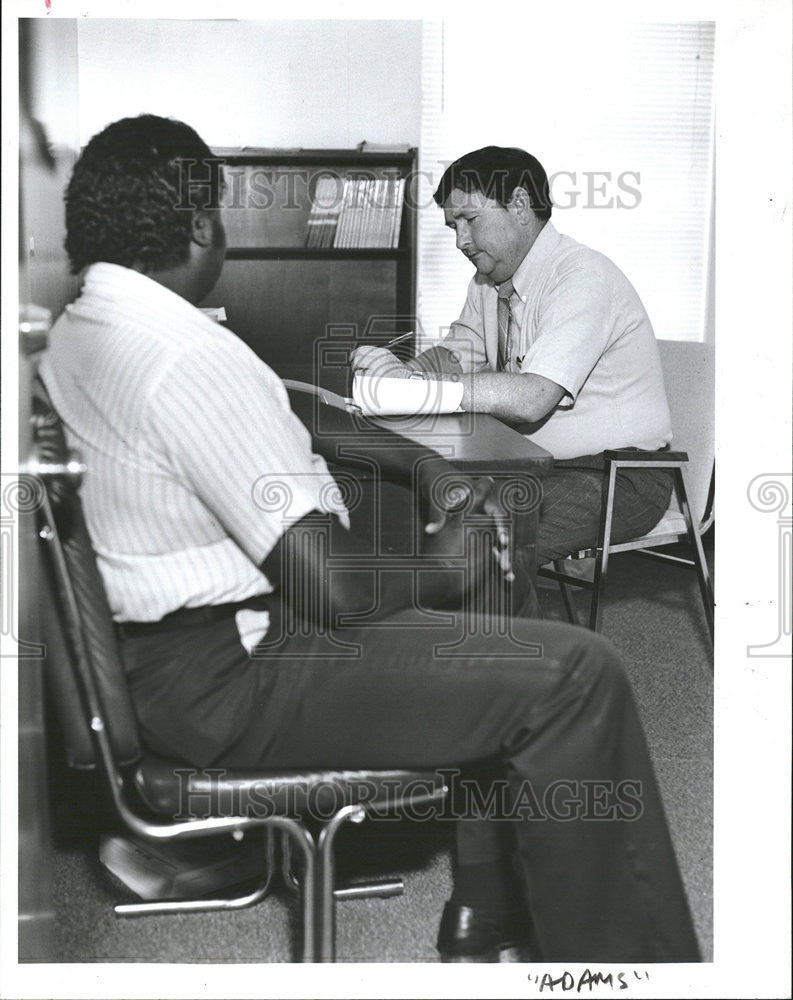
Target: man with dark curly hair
[(187, 437), (134, 199)]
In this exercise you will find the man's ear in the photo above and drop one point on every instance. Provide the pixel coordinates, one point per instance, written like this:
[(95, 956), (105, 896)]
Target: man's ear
[(202, 228), (520, 202)]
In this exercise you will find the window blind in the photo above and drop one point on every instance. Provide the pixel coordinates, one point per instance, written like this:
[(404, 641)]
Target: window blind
[(621, 117)]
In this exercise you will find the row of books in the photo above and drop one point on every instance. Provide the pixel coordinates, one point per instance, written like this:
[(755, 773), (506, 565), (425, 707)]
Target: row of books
[(356, 212)]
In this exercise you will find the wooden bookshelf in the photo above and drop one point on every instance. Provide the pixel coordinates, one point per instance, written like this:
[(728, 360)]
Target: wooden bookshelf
[(302, 308), (317, 253)]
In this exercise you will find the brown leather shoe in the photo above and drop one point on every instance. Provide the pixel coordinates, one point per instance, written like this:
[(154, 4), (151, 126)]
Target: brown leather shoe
[(468, 935)]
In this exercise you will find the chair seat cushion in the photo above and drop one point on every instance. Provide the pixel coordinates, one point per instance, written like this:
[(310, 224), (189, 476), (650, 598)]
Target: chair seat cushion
[(182, 792), (672, 523)]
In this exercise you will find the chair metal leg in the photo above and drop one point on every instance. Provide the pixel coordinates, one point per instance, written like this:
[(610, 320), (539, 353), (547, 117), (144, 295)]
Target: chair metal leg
[(384, 887), (602, 551), (666, 557), (703, 575), (567, 598), (596, 605), (288, 876), (194, 905), (326, 841), (326, 903)]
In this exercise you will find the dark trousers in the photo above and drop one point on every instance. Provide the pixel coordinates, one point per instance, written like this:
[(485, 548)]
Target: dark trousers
[(546, 705), (570, 511)]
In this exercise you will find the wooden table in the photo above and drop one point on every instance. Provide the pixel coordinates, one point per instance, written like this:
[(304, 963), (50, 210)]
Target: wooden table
[(473, 443)]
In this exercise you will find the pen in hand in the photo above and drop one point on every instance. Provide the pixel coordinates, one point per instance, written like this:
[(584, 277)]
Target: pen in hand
[(394, 340), (399, 339)]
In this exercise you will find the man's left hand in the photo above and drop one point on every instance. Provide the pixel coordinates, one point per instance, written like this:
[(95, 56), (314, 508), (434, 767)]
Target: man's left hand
[(477, 496), (379, 362)]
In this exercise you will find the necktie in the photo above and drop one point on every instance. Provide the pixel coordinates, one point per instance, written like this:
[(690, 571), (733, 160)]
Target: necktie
[(505, 290)]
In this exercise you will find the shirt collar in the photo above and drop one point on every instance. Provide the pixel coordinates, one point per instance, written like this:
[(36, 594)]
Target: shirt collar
[(531, 264), (115, 281)]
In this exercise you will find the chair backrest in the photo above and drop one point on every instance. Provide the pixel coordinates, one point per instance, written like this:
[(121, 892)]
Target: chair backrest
[(689, 375), (84, 668)]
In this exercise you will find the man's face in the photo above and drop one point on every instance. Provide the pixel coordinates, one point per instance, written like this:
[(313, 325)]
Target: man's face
[(491, 236)]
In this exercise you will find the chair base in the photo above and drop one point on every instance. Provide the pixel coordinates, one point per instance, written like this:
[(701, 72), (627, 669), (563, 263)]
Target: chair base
[(565, 580), (646, 544), (139, 865), (318, 893), (384, 888), (179, 870)]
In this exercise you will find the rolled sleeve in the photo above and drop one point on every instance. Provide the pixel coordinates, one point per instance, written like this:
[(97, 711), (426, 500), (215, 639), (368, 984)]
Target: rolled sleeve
[(575, 322), (224, 422)]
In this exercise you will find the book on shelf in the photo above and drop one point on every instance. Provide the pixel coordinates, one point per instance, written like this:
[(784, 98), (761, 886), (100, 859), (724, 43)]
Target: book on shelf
[(357, 213), (326, 206), (367, 214), (396, 211), (336, 188), (379, 228), (341, 236)]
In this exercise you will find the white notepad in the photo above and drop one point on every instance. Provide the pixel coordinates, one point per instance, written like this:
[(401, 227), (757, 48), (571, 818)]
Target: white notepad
[(379, 396)]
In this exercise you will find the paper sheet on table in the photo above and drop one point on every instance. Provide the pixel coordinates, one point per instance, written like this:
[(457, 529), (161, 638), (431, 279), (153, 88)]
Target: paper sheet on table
[(378, 396), (217, 313)]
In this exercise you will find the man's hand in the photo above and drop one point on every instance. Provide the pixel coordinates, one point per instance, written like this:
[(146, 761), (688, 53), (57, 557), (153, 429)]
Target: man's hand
[(474, 496), (378, 361), (446, 535)]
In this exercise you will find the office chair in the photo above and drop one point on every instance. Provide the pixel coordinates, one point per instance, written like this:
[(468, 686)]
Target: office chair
[(690, 386), (85, 675)]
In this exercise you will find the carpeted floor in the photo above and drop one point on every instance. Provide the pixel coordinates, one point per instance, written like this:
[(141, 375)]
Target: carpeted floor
[(654, 617)]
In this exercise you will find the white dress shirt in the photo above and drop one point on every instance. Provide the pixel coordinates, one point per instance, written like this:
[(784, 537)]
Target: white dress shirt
[(579, 322), (196, 464)]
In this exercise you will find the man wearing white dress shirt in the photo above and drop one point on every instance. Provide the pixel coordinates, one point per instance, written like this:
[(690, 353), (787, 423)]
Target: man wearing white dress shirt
[(553, 339)]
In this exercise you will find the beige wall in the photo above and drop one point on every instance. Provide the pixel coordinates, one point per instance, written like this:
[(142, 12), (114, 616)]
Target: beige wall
[(238, 83), (256, 83)]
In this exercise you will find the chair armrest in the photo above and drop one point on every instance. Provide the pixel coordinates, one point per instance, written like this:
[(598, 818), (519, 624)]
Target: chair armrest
[(630, 456)]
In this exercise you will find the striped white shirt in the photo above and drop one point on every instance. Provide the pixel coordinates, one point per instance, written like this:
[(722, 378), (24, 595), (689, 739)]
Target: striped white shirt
[(196, 464)]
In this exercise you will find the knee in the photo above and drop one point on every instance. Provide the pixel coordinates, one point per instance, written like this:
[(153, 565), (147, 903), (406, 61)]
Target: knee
[(594, 659)]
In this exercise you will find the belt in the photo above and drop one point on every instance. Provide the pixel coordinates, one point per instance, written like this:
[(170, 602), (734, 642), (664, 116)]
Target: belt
[(597, 463), (191, 617)]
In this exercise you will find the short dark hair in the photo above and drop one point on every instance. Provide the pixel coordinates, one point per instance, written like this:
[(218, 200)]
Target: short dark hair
[(133, 192), (496, 171)]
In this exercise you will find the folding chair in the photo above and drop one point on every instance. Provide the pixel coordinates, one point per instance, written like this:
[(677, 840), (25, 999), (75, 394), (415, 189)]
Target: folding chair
[(689, 377), (89, 692)]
